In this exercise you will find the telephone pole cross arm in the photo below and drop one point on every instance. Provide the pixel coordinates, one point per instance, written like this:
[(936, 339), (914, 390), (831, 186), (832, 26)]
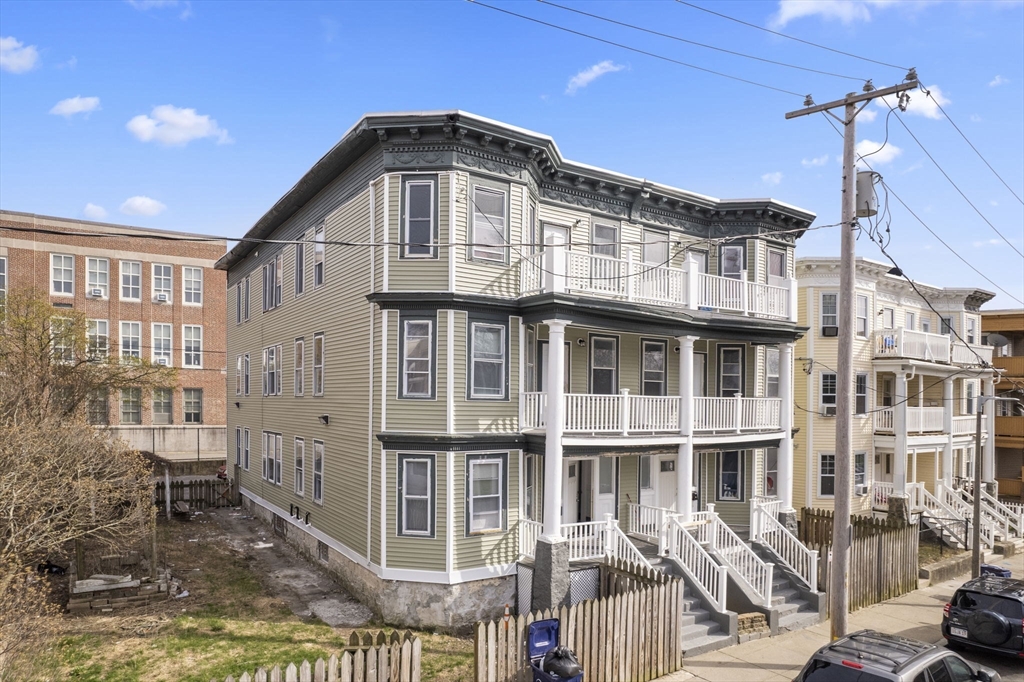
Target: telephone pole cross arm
[(842, 530)]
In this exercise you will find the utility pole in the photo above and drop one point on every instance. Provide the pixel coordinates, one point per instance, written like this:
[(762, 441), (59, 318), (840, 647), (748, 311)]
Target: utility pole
[(976, 529), (842, 530)]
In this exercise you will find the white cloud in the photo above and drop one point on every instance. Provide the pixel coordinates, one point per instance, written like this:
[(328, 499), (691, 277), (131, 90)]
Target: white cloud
[(591, 74), (867, 116), (993, 202), (75, 105), (145, 5), (997, 81), (94, 212), (69, 64), (16, 57), (988, 242), (845, 11), (818, 161), (975, 118), (877, 156), (920, 103), (772, 178), (910, 169), (170, 125), (141, 205)]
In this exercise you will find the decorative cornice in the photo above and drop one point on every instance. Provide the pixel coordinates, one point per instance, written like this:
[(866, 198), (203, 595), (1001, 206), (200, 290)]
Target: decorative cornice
[(583, 199), (451, 443)]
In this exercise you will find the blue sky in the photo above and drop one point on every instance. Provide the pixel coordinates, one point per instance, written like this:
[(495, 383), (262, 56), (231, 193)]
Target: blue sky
[(197, 116)]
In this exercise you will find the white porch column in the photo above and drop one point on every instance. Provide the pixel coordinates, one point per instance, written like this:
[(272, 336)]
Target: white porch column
[(947, 429), (784, 484), (684, 459), (988, 463), (899, 478), (554, 422)]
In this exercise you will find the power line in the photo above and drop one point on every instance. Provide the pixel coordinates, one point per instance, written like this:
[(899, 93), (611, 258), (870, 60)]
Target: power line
[(635, 49), (783, 35), (704, 45), (1016, 196)]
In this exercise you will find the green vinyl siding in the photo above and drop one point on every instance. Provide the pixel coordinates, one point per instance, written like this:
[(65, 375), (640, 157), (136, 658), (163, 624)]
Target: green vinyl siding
[(417, 414), (475, 416), (733, 513), (417, 274), (491, 549), (424, 554), (482, 277)]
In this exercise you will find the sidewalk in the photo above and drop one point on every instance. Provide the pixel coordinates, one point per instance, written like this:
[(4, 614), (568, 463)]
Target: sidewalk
[(776, 659)]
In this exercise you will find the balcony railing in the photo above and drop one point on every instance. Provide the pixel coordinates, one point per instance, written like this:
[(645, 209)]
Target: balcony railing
[(623, 413), (923, 420), (904, 343), (971, 354), (558, 270)]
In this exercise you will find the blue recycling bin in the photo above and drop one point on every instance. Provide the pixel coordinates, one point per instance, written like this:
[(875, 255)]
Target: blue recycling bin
[(992, 569), (542, 637)]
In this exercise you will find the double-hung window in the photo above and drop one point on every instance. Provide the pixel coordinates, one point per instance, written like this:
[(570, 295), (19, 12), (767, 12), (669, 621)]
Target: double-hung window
[(245, 372), (862, 315), (131, 405), (192, 399), (487, 366), (62, 339), (318, 364), (888, 318), (485, 488), (192, 345), (531, 359), (655, 248), (776, 266), (272, 273), (654, 370), (860, 394), (730, 371), (300, 464), (489, 238), (245, 300), (272, 457), (860, 469), (318, 471), (416, 495), (828, 388), (771, 471), (97, 277), (97, 336), (238, 303), (238, 446), (417, 356), (771, 372), (162, 282), (299, 362), (946, 325), (238, 375), (245, 451), (829, 310), (826, 475), (300, 268), (319, 256), (162, 406), (730, 476), (131, 280), (731, 261), (605, 240), (98, 410), (926, 324), (969, 397), (131, 340), (910, 321), (192, 279), (418, 223), (272, 370), (971, 329), (62, 278), (161, 344), (604, 365)]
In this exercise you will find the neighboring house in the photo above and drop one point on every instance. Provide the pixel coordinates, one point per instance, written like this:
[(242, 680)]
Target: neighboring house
[(1009, 426), (389, 404), (144, 296), (918, 372)]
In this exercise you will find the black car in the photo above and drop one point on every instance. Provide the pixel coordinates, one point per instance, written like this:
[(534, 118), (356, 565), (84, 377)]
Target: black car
[(987, 613)]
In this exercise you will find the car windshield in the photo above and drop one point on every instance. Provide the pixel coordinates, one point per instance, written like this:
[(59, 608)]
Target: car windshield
[(824, 671), (989, 602)]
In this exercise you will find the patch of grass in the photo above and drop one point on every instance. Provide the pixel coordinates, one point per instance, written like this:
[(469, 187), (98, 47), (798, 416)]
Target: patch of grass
[(930, 551)]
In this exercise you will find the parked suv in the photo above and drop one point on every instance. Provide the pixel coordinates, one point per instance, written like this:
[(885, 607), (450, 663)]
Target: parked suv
[(987, 613), (869, 656)]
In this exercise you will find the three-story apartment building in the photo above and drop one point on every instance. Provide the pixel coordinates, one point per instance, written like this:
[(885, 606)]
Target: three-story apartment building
[(453, 333), (1009, 422), (146, 293)]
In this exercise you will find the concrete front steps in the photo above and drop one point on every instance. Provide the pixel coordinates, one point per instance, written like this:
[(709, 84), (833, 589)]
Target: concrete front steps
[(794, 611)]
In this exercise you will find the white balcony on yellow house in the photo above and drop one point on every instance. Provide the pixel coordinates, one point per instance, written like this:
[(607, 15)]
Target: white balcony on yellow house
[(915, 345)]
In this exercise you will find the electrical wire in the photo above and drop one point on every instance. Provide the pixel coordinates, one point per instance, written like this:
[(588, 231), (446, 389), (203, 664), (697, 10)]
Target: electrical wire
[(695, 43), (635, 49), (783, 35)]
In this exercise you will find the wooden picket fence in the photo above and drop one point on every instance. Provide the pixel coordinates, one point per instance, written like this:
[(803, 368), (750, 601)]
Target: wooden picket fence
[(367, 658), (883, 555), (199, 494), (630, 636)]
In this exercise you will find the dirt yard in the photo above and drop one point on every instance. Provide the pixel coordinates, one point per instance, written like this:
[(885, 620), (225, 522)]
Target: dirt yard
[(251, 602)]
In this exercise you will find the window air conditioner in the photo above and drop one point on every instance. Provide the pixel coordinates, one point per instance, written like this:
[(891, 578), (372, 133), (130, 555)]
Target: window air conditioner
[(830, 331), (828, 411), (96, 293), (161, 361), (161, 298), (861, 490)]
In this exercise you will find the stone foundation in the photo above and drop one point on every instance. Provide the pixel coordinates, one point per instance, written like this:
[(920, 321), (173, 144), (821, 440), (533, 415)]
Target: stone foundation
[(899, 507), (400, 603), (551, 575), (751, 626), (789, 520)]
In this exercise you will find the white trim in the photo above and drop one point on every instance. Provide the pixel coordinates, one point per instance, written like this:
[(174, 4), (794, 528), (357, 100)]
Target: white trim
[(817, 474), (449, 541), (502, 501), (120, 281), (384, 370), (450, 380), (821, 307), (387, 231), (522, 368), (170, 345), (154, 292), (295, 479), (506, 256), (88, 271), (431, 496), (675, 439), (299, 367), (403, 383), (184, 364), (369, 413), (727, 439), (323, 472), (384, 507), (112, 254), (184, 300), (63, 293), (472, 362), (403, 228), (451, 230)]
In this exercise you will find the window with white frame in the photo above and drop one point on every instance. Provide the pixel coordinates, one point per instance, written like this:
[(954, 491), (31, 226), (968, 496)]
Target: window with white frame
[(969, 393), (418, 224), (238, 375), (946, 325), (416, 495), (862, 315), (299, 363), (826, 475), (300, 269), (97, 277), (605, 240), (771, 372), (272, 274), (771, 471), (318, 471), (272, 457), (654, 367), (731, 263), (604, 365), (318, 364), (860, 402), (192, 279), (910, 321), (98, 409), (888, 318), (487, 367), (192, 400), (530, 474), (245, 372), (163, 282), (245, 451), (531, 359), (319, 256), (655, 248), (971, 329), (3, 281), (300, 464), (860, 469), (272, 370), (131, 406), (160, 343), (489, 224), (730, 371), (238, 446), (62, 339), (417, 356), (97, 338), (776, 265), (485, 488), (131, 340), (830, 310), (730, 476), (162, 406), (192, 345), (62, 277), (926, 323), (245, 300), (645, 474), (131, 280), (238, 303), (828, 388)]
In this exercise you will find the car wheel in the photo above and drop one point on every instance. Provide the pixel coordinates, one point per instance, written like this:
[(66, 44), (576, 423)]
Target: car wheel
[(988, 627)]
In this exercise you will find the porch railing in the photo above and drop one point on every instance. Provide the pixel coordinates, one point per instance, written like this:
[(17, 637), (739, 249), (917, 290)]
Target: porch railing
[(529, 532), (955, 500), (906, 343), (881, 491), (766, 300), (1013, 519), (648, 523), (754, 572), (597, 274), (965, 426), (919, 420), (736, 414), (766, 528), (531, 274), (709, 576), (971, 354), (943, 515), (599, 539)]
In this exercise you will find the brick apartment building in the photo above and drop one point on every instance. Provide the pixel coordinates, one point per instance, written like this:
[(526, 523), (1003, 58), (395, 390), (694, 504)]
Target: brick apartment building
[(158, 299)]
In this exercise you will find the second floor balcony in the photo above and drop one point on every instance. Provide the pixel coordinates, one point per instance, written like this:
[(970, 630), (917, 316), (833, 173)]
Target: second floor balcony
[(922, 420), (915, 345), (557, 270)]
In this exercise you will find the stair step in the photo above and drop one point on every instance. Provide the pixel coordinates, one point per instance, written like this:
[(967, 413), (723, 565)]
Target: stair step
[(785, 608), (702, 629), (786, 594), (691, 604), (798, 620), (701, 645), (693, 617)]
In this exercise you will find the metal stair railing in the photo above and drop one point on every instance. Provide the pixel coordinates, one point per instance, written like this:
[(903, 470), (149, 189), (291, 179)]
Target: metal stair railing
[(766, 529), (709, 576)]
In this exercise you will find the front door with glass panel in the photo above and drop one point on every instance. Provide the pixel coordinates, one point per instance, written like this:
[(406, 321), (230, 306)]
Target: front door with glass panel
[(667, 482), (604, 365), (730, 371), (604, 502), (647, 495), (883, 467)]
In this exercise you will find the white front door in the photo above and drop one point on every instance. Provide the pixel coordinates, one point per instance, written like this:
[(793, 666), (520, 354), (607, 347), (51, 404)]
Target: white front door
[(605, 481), (647, 497), (666, 474), (883, 467)]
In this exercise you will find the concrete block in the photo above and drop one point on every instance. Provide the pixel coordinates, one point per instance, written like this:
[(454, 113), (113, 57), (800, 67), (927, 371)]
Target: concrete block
[(551, 574)]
